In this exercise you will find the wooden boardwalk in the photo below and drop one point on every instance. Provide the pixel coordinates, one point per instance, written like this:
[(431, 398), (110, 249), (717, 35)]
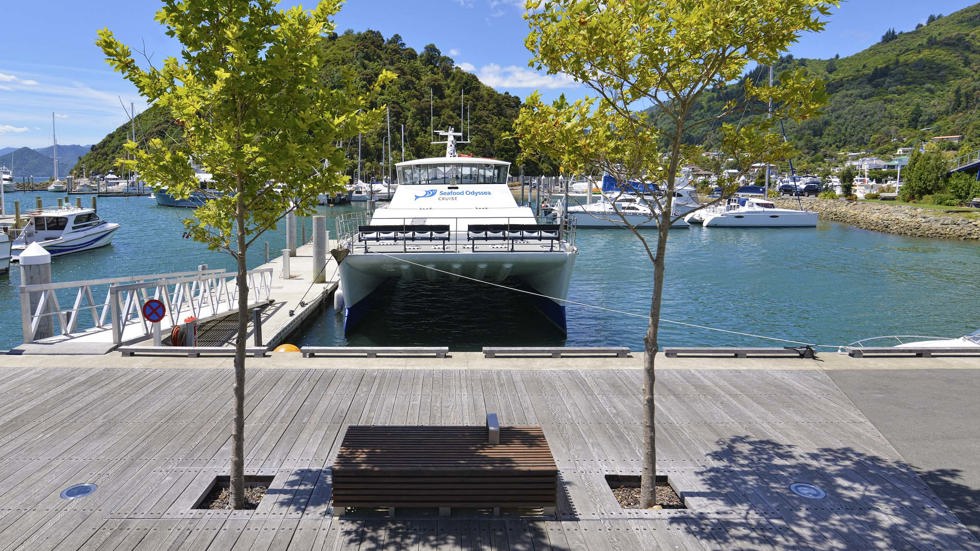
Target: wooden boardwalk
[(731, 441)]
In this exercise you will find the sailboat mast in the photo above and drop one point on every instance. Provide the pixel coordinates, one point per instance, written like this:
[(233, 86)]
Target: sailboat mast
[(54, 139), (769, 115)]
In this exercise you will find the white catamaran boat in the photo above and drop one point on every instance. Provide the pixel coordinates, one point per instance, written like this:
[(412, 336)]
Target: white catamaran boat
[(64, 230), (752, 212), (453, 216)]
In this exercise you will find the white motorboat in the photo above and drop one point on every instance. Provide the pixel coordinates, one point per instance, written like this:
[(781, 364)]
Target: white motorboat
[(57, 186), (454, 217), (7, 179), (363, 191), (966, 341), (616, 212), (64, 230), (4, 252), (752, 212)]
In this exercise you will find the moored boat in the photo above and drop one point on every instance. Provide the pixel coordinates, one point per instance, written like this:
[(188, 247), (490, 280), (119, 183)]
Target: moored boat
[(64, 230), (4, 252), (752, 212), (455, 217)]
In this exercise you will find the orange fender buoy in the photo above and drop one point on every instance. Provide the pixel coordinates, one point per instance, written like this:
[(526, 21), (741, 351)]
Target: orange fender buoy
[(287, 348)]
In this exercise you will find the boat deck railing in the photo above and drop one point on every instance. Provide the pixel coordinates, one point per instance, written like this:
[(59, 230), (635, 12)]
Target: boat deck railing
[(202, 294), (454, 235)]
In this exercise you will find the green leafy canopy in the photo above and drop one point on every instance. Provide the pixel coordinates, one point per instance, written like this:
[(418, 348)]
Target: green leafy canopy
[(249, 96)]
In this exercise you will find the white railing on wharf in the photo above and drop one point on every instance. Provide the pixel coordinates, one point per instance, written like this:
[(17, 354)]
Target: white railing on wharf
[(202, 294)]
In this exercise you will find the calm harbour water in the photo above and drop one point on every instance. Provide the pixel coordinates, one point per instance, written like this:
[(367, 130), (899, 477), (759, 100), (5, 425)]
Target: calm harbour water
[(830, 286)]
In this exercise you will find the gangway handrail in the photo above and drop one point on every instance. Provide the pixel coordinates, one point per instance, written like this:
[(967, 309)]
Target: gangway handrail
[(48, 305), (202, 294), (199, 297)]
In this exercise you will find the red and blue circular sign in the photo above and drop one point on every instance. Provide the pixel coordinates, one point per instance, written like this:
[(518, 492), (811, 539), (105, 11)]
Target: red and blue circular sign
[(154, 310)]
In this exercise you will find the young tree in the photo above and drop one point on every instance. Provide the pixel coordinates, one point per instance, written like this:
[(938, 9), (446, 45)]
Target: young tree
[(925, 175), (254, 112), (636, 55)]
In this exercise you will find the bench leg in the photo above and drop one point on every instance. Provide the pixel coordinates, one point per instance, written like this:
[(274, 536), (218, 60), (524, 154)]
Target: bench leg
[(548, 511), (339, 511), (445, 511)]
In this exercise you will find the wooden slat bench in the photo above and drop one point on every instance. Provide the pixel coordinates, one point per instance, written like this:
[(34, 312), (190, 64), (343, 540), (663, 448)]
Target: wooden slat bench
[(444, 467), (760, 352), (555, 351), (190, 351), (916, 352), (375, 351)]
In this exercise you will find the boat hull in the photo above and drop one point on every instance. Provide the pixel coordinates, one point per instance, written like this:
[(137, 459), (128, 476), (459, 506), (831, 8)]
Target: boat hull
[(98, 237), (195, 200), (790, 219), (4, 253), (584, 219), (547, 273)]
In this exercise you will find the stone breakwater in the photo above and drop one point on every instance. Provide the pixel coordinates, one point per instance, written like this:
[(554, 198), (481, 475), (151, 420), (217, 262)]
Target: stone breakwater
[(894, 219)]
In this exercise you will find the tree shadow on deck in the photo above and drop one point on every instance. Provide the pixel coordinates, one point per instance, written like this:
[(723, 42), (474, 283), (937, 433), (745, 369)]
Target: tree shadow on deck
[(843, 498)]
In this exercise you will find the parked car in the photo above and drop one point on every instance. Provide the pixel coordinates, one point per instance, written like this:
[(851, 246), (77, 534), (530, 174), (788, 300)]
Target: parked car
[(789, 189), (810, 189)]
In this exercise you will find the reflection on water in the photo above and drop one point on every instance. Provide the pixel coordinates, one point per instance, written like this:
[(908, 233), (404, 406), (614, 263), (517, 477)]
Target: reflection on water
[(463, 315)]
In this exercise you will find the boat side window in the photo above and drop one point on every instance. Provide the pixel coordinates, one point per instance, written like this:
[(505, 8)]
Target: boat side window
[(83, 220), (55, 223)]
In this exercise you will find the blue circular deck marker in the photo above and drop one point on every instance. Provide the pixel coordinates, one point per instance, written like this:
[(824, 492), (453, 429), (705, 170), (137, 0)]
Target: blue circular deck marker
[(808, 491), (78, 491)]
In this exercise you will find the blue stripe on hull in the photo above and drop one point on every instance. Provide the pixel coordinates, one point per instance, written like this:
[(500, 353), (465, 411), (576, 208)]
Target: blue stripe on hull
[(553, 311)]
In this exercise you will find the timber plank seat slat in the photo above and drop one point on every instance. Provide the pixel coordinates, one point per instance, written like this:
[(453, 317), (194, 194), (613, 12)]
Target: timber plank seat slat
[(925, 352), (191, 351), (375, 351), (444, 466), (555, 351), (787, 351)]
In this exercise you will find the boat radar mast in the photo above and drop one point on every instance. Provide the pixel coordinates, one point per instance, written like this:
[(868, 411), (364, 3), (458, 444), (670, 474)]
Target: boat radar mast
[(451, 141)]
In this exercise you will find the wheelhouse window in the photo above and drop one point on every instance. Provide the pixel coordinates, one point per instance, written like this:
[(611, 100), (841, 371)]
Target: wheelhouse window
[(452, 174)]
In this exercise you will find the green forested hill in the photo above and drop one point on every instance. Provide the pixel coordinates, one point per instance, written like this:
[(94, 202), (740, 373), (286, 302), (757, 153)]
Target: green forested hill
[(490, 114), (909, 87)]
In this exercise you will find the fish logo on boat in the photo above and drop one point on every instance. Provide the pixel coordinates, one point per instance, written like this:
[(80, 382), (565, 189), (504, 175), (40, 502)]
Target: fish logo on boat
[(428, 193)]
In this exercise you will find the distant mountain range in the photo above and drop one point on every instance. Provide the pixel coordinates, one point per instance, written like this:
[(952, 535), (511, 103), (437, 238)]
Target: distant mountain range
[(38, 163)]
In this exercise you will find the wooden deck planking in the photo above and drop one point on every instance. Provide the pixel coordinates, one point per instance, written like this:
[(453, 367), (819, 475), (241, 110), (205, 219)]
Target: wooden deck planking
[(279, 429), (176, 418)]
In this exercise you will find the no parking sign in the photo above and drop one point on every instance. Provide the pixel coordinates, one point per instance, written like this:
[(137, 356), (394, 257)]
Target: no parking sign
[(154, 310)]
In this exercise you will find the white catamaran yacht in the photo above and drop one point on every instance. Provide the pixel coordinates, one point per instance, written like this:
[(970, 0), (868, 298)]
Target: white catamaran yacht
[(455, 216)]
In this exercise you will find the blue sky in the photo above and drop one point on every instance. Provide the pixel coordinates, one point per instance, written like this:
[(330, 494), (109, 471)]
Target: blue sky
[(49, 62)]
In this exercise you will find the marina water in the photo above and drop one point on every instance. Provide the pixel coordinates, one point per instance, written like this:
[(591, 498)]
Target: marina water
[(828, 286)]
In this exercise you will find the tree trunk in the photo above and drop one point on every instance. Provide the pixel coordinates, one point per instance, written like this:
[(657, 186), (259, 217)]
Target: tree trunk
[(238, 431), (648, 480)]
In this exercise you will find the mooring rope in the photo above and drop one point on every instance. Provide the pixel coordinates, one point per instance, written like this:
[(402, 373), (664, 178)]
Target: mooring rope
[(611, 310)]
